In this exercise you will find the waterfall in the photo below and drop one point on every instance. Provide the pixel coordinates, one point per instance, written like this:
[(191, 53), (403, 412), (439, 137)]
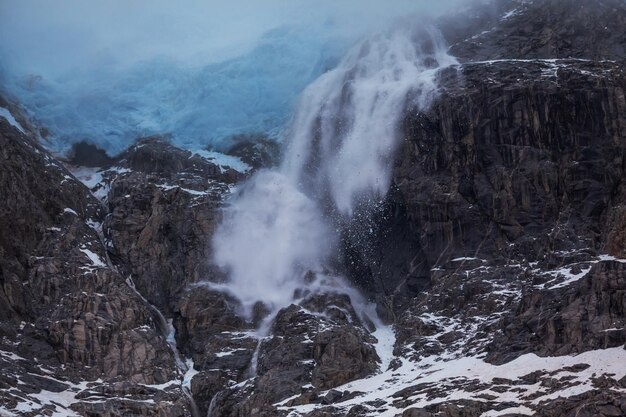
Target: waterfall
[(166, 327), (185, 368), (279, 233)]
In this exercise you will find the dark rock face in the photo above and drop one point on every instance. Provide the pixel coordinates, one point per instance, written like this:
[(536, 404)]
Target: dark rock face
[(521, 162), (587, 315), (220, 342), (383, 256), (513, 161), (314, 347), (162, 205), (65, 310), (504, 234), (86, 154), (256, 150), (539, 29), (504, 155), (594, 403)]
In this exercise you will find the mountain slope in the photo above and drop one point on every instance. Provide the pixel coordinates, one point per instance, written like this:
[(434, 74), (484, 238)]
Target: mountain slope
[(498, 257)]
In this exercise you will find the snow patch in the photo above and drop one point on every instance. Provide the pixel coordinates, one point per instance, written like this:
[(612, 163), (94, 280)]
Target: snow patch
[(466, 258), (386, 339), (439, 370), (564, 275), (168, 187), (228, 352), (61, 401), (94, 258), (568, 275), (9, 117), (509, 411), (189, 374), (611, 258), (97, 180), (223, 160), (510, 14), (88, 176)]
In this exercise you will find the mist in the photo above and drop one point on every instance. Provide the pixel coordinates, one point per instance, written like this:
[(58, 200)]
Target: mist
[(108, 72)]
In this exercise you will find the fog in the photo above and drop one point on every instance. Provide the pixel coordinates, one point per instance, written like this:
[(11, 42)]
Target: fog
[(199, 70)]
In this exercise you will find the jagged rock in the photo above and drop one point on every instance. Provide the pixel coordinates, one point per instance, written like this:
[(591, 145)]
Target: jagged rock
[(342, 356), (492, 176), (256, 150), (539, 29), (592, 403), (66, 311), (302, 351), (415, 412), (219, 341), (318, 345), (86, 154), (504, 193), (163, 209), (126, 407), (154, 155), (568, 320)]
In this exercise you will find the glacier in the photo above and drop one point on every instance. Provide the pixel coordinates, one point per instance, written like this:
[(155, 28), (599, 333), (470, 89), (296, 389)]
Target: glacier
[(196, 107), (196, 72)]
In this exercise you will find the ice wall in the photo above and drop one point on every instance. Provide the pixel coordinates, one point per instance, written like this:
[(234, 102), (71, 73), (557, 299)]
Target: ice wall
[(198, 70), (197, 106)]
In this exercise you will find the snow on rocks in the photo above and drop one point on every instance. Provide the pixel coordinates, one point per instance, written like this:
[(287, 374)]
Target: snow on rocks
[(223, 161), (94, 258), (570, 273), (9, 117), (527, 381)]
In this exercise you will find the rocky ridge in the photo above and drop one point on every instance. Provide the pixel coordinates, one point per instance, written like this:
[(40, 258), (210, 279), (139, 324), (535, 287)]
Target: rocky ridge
[(498, 256)]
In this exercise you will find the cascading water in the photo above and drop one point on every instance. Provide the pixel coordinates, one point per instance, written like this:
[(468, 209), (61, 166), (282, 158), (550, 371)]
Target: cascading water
[(282, 227), (167, 328)]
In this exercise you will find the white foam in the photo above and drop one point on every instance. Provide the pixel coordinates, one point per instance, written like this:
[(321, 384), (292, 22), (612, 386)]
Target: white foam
[(343, 137), (270, 236)]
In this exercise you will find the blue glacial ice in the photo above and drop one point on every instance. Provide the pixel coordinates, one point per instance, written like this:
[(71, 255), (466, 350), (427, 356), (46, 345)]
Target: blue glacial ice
[(200, 71), (197, 106)]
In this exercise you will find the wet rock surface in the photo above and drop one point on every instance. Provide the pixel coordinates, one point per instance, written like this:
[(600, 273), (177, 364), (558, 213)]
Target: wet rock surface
[(310, 348)]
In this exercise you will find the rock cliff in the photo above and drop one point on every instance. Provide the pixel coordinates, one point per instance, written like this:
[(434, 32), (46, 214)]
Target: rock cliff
[(498, 257)]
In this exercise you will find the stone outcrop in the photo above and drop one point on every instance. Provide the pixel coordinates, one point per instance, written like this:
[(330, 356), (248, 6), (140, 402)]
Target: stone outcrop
[(162, 204), (68, 315), (538, 29), (311, 348), (503, 235), (589, 314)]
